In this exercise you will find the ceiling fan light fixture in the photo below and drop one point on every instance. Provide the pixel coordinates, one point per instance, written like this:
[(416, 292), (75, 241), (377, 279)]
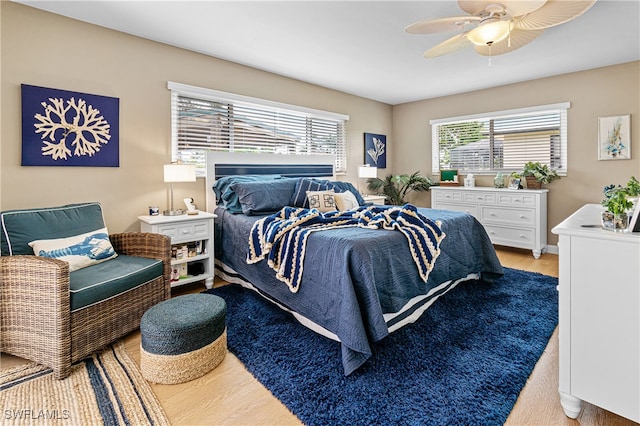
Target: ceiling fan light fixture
[(489, 33)]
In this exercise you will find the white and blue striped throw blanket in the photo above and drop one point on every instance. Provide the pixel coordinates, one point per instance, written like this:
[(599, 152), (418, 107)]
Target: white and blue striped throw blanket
[(281, 238)]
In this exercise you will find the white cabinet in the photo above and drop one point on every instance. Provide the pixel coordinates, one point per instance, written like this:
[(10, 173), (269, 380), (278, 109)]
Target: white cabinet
[(599, 316), (191, 243), (514, 218)]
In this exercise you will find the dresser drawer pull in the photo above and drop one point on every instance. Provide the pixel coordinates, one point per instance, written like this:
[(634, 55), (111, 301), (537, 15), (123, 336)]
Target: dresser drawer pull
[(522, 216), (186, 232), (492, 214), (524, 237)]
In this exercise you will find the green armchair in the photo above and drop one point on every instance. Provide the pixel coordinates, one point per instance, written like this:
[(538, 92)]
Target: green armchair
[(55, 311)]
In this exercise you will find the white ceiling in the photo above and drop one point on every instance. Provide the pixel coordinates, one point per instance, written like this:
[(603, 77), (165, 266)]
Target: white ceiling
[(360, 47)]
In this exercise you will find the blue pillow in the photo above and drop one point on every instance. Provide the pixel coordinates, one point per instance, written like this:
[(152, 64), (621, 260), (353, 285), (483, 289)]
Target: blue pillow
[(227, 198), (264, 197), (299, 198), (339, 186)]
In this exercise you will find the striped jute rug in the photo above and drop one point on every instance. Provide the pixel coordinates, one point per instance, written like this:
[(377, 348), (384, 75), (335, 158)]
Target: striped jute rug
[(107, 388)]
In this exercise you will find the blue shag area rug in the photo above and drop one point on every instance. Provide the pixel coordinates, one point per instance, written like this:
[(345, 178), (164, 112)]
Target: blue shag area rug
[(464, 362)]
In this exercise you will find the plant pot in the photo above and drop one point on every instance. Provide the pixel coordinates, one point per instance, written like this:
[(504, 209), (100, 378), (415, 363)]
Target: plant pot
[(615, 222), (532, 183)]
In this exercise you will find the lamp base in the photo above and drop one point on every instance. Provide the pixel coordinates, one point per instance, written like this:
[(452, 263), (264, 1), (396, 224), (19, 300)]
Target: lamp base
[(173, 212)]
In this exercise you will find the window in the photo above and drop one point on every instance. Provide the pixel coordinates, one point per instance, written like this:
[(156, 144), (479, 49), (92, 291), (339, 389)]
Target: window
[(209, 120), (501, 141)]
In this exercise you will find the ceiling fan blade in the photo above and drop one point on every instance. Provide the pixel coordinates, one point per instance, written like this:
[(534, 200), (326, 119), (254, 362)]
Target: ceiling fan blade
[(513, 7), (519, 38), (451, 45), (475, 7), (519, 8), (442, 25), (554, 12)]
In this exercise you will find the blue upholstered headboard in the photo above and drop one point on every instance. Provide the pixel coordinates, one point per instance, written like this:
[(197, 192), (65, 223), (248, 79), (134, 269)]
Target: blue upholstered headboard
[(286, 170), (220, 164)]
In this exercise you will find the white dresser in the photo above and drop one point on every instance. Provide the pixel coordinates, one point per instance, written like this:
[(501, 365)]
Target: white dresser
[(514, 218), (599, 316)]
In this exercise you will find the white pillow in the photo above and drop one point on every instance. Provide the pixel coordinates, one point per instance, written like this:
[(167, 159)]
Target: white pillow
[(345, 200), (79, 251), (321, 200)]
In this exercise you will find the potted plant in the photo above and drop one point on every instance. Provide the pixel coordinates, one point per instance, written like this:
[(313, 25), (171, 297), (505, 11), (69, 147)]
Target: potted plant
[(395, 188), (536, 174), (618, 201)]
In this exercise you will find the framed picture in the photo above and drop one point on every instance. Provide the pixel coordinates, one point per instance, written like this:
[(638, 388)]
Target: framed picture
[(63, 128), (514, 183), (634, 220), (375, 150), (614, 137)]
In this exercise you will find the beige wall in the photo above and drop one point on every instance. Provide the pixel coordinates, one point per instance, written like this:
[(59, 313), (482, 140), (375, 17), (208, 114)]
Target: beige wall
[(600, 92), (44, 49)]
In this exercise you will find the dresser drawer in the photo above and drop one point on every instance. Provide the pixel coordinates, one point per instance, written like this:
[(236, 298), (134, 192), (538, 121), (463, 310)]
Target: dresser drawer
[(479, 197), (469, 209), (516, 200), (185, 231), (518, 217), (524, 238), (447, 195)]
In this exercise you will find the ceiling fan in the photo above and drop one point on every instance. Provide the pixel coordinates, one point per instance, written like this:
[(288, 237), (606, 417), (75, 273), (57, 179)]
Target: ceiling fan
[(495, 27)]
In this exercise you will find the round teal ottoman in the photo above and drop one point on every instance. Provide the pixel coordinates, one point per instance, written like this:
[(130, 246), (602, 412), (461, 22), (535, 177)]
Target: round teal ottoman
[(183, 338)]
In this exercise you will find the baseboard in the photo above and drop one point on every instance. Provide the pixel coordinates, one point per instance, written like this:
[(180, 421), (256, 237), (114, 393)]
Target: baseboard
[(552, 250)]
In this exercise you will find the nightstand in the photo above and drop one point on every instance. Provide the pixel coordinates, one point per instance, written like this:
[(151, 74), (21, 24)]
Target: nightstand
[(375, 199), (191, 245)]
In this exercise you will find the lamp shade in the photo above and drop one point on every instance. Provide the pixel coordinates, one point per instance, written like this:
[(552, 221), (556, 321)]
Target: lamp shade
[(179, 173), (367, 171), (489, 33)]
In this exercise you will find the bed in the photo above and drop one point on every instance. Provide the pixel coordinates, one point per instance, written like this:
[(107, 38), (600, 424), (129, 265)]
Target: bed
[(358, 284)]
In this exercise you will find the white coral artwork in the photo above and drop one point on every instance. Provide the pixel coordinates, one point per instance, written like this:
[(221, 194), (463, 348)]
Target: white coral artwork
[(377, 150), (71, 128)]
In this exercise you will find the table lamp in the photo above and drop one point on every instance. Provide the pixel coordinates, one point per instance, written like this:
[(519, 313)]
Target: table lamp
[(366, 172), (178, 172)]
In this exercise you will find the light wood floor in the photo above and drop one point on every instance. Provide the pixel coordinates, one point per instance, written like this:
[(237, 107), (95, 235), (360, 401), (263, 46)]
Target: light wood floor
[(229, 395)]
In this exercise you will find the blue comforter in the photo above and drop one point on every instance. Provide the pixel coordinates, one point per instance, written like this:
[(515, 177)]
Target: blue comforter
[(356, 279), (281, 238)]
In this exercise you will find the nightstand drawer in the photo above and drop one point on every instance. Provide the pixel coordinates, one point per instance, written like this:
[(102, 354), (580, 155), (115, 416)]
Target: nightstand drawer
[(186, 231)]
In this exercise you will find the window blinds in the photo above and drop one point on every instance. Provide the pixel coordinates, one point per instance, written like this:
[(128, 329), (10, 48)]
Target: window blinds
[(204, 119), (502, 141)]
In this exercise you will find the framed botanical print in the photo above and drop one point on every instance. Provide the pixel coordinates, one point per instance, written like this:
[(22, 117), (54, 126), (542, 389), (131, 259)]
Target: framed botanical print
[(614, 137), (375, 150)]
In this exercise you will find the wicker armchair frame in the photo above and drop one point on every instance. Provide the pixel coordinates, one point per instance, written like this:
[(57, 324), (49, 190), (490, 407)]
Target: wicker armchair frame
[(37, 322)]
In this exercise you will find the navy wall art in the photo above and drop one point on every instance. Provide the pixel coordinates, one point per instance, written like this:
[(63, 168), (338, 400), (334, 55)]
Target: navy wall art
[(375, 150), (63, 128)]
